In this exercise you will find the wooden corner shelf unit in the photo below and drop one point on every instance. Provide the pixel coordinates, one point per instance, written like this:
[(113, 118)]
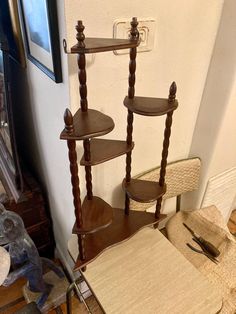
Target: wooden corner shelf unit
[(98, 225)]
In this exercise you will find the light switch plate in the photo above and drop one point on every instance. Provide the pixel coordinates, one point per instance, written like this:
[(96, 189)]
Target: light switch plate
[(146, 28)]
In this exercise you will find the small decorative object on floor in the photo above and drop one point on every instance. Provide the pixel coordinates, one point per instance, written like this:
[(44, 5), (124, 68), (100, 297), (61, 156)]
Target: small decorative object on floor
[(5, 264), (25, 258)]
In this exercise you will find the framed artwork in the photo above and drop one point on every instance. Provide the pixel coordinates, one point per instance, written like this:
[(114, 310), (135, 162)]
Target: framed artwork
[(40, 25), (10, 30)]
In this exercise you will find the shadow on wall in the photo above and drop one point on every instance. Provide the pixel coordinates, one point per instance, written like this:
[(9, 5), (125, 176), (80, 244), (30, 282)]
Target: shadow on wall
[(23, 116), (26, 139), (218, 87)]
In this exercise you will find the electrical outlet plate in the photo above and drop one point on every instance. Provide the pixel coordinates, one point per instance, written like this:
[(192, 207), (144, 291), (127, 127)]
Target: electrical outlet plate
[(146, 28)]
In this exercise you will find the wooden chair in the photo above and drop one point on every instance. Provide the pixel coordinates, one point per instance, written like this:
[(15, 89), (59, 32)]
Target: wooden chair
[(146, 274), (181, 176)]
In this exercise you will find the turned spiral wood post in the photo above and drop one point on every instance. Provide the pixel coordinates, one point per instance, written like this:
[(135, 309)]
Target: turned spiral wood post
[(83, 101), (88, 172), (134, 34), (81, 65), (166, 142), (69, 127)]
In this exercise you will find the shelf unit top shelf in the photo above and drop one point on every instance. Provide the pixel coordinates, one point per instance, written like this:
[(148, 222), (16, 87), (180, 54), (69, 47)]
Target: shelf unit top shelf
[(122, 228), (88, 124), (103, 150), (149, 106), (96, 213), (93, 45), (143, 191)]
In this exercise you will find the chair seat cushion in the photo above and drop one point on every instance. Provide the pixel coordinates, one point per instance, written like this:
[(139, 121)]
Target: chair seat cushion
[(146, 274), (209, 223)]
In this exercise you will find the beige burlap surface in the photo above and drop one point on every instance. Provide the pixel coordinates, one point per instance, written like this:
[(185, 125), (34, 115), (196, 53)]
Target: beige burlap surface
[(208, 223), (147, 275)]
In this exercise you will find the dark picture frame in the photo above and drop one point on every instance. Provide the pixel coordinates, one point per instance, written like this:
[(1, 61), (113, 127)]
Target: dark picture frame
[(10, 30), (40, 25)]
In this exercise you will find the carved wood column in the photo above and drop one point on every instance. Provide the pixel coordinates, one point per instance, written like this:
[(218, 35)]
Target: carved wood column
[(88, 172), (131, 91), (166, 142), (81, 60), (68, 118)]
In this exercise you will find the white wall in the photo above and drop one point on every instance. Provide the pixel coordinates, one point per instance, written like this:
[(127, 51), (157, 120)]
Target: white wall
[(215, 131), (42, 125)]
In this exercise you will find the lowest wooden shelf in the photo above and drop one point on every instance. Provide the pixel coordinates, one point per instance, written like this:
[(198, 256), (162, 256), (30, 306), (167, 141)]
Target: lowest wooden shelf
[(122, 228), (98, 225)]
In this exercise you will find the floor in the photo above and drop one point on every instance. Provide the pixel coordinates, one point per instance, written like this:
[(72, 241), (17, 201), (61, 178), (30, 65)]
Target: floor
[(11, 299)]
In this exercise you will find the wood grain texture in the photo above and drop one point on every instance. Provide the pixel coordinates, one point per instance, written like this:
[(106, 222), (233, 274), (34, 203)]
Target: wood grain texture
[(122, 228), (34, 214), (167, 133), (93, 45), (81, 66), (75, 182), (96, 230), (8, 295), (103, 150), (130, 119), (81, 246), (166, 143), (88, 124), (68, 119), (97, 214), (82, 81), (134, 35), (76, 192), (149, 106), (172, 93), (80, 34), (88, 170), (143, 191), (147, 274)]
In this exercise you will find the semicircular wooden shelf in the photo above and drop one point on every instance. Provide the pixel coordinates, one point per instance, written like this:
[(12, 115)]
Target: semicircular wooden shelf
[(89, 124), (96, 213), (93, 45), (122, 228), (103, 150), (143, 191), (148, 106)]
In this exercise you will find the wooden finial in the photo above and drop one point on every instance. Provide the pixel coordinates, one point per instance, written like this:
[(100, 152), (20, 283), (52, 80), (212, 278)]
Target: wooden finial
[(172, 92), (68, 119), (134, 30), (80, 34)]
